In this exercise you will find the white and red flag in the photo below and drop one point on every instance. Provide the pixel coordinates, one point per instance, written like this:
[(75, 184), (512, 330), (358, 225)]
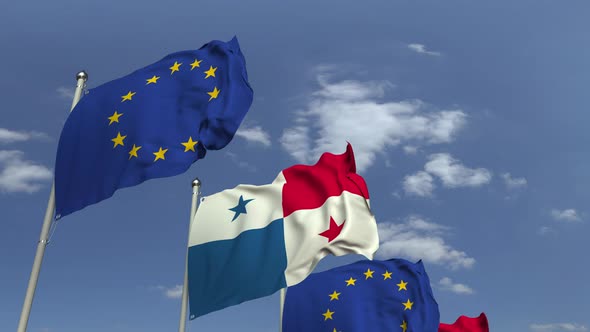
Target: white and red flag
[(250, 241)]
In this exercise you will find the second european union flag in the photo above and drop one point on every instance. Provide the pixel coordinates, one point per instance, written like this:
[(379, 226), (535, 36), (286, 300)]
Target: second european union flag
[(152, 123), (377, 296)]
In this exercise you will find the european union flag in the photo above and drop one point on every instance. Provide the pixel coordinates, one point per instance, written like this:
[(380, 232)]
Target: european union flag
[(152, 123), (376, 296)]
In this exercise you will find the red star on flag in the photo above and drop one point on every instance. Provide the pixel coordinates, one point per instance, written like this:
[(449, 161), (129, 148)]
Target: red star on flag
[(334, 230)]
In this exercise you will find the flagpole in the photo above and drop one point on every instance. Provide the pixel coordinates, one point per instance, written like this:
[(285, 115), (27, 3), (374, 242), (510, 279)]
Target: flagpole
[(81, 78), (281, 307), (196, 191)]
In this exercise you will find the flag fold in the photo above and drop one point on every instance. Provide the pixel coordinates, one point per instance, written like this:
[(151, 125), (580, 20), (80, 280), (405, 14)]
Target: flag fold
[(467, 324)]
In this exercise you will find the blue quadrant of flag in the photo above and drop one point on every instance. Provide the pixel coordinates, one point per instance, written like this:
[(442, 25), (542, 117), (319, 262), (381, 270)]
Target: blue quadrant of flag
[(155, 122), (379, 296)]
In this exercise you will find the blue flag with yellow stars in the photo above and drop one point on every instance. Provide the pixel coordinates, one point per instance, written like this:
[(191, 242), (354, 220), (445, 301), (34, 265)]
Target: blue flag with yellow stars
[(152, 123), (377, 296)]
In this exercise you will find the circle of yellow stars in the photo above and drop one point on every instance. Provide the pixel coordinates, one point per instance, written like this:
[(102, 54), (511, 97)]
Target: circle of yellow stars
[(402, 285), (190, 144)]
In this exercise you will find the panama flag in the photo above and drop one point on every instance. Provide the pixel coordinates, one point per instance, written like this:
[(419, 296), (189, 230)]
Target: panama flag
[(250, 241)]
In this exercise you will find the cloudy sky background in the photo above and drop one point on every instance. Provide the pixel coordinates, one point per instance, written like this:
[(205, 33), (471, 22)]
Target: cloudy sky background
[(469, 123)]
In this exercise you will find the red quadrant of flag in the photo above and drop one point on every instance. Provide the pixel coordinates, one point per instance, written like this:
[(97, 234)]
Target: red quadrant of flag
[(333, 174)]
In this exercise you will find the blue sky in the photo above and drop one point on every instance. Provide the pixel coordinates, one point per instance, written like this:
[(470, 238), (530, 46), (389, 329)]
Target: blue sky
[(469, 123)]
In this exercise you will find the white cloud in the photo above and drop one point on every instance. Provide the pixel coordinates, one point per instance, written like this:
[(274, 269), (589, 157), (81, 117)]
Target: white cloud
[(352, 111), (12, 136), (513, 183), (544, 230), (454, 174), (242, 164), (558, 327), (408, 149), (350, 90), (254, 134), (417, 223), (297, 142), (20, 175), (447, 284), (419, 239), (419, 184), (565, 215), (174, 292), (420, 48), (65, 92), (450, 171)]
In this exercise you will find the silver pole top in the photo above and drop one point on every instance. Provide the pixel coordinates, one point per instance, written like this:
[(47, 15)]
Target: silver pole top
[(82, 75), (196, 182)]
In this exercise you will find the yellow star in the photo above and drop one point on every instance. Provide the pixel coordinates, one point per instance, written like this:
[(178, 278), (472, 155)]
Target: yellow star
[(160, 154), (153, 80), (368, 274), (407, 305), (334, 296), (175, 67), (328, 314), (210, 72), (334, 330), (114, 117), (213, 93), (128, 96), (386, 275), (402, 285), (196, 64), (189, 145), (404, 326), (350, 282), (118, 140), (133, 152)]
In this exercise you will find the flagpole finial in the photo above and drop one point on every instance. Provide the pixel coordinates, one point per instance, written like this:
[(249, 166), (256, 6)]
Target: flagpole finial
[(196, 182), (82, 75)]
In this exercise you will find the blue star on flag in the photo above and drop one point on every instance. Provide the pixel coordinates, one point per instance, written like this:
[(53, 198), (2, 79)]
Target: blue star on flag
[(241, 207)]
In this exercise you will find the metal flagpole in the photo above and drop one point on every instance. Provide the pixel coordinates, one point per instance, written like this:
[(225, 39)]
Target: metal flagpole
[(81, 77), (196, 191), (281, 306)]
